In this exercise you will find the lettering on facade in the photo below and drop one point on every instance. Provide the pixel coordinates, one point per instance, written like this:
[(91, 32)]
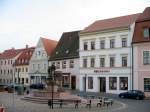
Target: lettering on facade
[(101, 71)]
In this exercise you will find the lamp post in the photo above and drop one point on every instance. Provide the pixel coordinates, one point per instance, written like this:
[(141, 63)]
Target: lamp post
[(51, 78)]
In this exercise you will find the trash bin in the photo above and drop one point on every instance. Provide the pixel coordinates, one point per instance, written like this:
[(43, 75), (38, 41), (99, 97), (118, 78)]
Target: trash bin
[(20, 90)]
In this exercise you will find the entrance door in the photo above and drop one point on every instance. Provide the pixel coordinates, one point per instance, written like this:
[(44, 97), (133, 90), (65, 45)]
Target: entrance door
[(73, 82), (84, 84), (102, 84)]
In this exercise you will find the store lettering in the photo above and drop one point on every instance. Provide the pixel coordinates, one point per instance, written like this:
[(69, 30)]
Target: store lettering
[(98, 71)]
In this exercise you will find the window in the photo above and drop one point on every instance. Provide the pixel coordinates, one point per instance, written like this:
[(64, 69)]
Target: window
[(71, 64), (92, 62), (102, 62), (90, 82), (85, 46), (85, 63), (22, 80), (33, 66), (8, 62), (102, 44), (146, 57), (112, 43), (8, 71), (147, 84), (58, 65), (22, 69), (39, 53), (124, 42), (124, 61), (38, 66), (92, 45), (45, 66), (26, 69), (112, 61), (1, 62), (64, 64), (123, 83), (113, 83), (146, 32), (53, 63), (27, 80)]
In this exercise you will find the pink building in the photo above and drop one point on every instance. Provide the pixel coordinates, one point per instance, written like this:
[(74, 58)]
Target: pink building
[(141, 53)]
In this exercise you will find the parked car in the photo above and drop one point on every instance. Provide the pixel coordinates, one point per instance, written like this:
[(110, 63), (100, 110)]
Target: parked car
[(133, 94), (37, 86)]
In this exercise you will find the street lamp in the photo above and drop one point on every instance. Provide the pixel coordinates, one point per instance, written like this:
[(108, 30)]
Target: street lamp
[(51, 79)]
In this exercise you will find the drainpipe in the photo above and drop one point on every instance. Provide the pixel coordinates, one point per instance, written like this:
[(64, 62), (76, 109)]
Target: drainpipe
[(132, 66)]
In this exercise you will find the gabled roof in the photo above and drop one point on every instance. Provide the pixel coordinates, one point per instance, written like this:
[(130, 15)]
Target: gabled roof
[(142, 22), (10, 53), (25, 56), (107, 24), (67, 47), (49, 45)]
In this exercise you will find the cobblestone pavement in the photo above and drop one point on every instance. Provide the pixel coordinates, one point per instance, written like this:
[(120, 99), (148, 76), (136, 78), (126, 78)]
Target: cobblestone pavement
[(130, 105), (13, 103)]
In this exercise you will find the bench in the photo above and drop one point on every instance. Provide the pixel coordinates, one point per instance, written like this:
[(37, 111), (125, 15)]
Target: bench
[(108, 102), (61, 102), (88, 104)]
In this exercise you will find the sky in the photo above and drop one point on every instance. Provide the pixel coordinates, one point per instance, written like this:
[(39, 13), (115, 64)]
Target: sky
[(23, 22)]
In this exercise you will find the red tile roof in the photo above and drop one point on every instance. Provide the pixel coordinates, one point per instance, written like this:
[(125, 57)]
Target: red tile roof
[(106, 24), (49, 45), (144, 16), (25, 56), (10, 53), (142, 22)]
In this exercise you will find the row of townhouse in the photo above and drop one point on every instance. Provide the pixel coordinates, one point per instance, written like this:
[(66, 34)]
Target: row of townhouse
[(28, 65), (110, 55), (113, 55)]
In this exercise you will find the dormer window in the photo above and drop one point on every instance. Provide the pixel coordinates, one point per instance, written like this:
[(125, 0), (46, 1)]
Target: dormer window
[(146, 32)]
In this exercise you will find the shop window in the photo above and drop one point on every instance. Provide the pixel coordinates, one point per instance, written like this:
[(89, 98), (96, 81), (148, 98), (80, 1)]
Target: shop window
[(123, 83), (147, 84), (113, 83), (85, 46), (90, 82), (146, 57)]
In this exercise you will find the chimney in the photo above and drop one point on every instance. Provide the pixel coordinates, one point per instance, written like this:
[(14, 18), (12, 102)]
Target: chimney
[(27, 46)]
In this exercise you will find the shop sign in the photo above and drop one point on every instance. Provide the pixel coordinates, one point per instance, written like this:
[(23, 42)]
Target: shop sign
[(101, 71)]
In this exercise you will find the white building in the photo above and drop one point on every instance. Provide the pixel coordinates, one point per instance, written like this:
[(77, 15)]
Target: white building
[(7, 60), (105, 55), (66, 59), (38, 64)]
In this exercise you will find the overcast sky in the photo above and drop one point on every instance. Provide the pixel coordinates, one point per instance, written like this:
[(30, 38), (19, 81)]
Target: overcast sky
[(24, 21)]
